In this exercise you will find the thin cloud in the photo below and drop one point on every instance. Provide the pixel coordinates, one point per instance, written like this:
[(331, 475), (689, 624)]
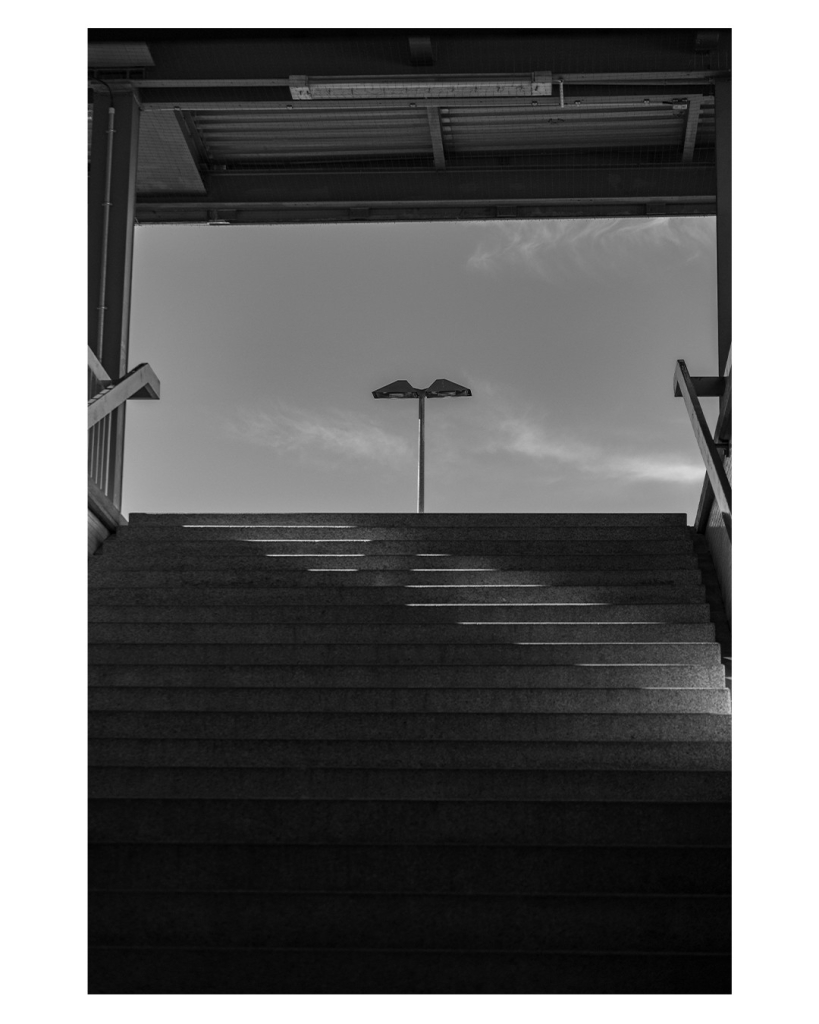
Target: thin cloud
[(547, 248), (639, 467), (291, 430), (492, 429), (531, 439), (525, 438)]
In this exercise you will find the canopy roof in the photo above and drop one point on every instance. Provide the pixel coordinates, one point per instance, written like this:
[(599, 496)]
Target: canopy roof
[(242, 126)]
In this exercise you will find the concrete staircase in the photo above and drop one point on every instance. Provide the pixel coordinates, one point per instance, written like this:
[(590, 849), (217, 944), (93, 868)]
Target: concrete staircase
[(365, 753)]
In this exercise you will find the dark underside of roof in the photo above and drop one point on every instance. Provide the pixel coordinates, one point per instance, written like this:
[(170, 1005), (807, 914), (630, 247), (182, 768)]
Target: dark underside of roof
[(244, 126)]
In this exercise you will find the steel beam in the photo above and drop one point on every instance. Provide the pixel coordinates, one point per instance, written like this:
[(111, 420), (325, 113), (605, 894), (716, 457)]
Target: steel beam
[(110, 248), (625, 99), (619, 78), (722, 116), (434, 116), (179, 212), (691, 125), (461, 185)]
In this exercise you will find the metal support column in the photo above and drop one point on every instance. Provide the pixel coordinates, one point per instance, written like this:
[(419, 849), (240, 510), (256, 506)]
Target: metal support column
[(110, 248), (722, 115)]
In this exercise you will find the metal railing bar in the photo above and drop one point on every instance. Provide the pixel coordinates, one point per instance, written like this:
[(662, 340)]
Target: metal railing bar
[(717, 477), (141, 379), (707, 495)]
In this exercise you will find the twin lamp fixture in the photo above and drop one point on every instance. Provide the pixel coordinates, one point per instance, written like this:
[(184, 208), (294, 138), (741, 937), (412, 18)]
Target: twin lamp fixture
[(441, 388)]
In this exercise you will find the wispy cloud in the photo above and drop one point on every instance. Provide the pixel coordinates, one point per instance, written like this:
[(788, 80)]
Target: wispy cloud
[(531, 438), (496, 427), (668, 470), (523, 437), (299, 431), (547, 248)]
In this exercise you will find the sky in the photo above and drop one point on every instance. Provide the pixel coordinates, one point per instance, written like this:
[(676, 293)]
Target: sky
[(268, 341)]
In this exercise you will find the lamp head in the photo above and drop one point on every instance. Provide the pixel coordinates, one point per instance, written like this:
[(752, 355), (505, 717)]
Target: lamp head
[(398, 389), (443, 388)]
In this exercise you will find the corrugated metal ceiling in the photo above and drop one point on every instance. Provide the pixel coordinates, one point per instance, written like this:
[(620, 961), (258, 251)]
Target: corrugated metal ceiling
[(472, 129), (232, 136), (240, 136), (635, 126)]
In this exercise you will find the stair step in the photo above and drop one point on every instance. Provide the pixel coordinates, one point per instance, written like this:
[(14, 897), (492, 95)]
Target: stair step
[(380, 633), (457, 520), (265, 561), (555, 755), (406, 654), (502, 677), (387, 920), (534, 534), (134, 545), (516, 823), (132, 540), (410, 700), (466, 581), (450, 869), (101, 594), (220, 970), (402, 614), (147, 781), (377, 752), (436, 727)]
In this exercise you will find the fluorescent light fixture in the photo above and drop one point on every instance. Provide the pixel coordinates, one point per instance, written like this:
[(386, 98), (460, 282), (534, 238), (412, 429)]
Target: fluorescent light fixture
[(377, 87)]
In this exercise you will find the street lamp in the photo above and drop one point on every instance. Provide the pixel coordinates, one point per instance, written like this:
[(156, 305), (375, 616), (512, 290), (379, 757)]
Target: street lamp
[(441, 388)]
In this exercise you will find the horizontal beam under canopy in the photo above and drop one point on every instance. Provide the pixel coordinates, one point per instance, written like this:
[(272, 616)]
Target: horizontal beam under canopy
[(259, 196)]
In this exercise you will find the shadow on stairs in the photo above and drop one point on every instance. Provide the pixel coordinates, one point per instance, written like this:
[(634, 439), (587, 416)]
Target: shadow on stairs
[(386, 753)]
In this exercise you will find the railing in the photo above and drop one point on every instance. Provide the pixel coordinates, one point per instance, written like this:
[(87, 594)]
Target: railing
[(717, 481), (105, 399)]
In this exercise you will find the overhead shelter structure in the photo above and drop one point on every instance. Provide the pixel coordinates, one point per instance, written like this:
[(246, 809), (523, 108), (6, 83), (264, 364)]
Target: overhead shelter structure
[(223, 127)]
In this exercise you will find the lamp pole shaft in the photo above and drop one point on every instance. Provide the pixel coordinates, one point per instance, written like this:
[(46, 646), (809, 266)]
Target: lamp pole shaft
[(421, 404)]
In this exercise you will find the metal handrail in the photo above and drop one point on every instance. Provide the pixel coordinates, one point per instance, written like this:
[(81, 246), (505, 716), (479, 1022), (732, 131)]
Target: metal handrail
[(141, 382), (106, 407), (714, 468)]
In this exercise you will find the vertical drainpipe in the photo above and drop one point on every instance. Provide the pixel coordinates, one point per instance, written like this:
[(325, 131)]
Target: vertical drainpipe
[(722, 119), (106, 218)]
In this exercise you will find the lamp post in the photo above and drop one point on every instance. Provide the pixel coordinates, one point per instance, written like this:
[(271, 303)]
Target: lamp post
[(441, 388)]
